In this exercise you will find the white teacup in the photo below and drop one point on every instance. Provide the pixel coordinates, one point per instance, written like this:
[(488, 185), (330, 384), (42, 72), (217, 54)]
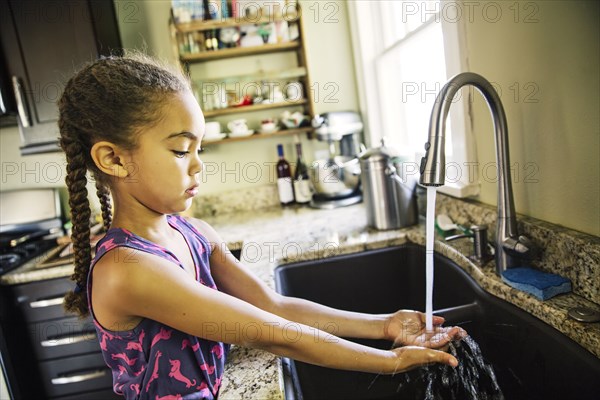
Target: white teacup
[(277, 95), (268, 127), (293, 91), (212, 129), (237, 126)]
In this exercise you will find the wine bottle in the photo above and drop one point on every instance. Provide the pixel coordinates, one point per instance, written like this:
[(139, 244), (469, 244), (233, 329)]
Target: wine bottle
[(301, 180), (284, 179)]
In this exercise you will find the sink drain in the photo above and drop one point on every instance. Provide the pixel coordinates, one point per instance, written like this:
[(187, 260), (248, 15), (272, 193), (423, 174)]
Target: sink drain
[(584, 314)]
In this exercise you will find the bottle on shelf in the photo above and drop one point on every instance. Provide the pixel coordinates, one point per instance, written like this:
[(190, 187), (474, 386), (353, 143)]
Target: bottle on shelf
[(284, 179), (302, 191)]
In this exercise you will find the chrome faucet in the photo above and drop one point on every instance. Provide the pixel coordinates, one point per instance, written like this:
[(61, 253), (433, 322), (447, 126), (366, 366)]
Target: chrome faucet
[(511, 249)]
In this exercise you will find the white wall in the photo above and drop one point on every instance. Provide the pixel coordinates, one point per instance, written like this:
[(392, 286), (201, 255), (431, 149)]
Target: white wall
[(553, 122)]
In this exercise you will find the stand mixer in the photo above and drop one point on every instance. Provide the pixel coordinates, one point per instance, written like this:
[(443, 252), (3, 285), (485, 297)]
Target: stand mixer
[(336, 180)]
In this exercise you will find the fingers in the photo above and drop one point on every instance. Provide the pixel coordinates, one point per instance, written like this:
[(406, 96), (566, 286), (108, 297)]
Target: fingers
[(443, 336), (454, 332), (444, 358), (457, 333), (444, 348), (410, 357), (438, 340)]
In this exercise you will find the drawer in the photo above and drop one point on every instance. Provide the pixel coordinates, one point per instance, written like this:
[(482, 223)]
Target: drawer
[(72, 375), (107, 394), (63, 338), (39, 301)]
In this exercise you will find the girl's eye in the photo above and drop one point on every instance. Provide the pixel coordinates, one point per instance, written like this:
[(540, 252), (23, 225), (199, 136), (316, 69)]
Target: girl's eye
[(180, 154)]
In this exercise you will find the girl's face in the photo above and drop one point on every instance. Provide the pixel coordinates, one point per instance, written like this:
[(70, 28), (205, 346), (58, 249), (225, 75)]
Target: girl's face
[(164, 168)]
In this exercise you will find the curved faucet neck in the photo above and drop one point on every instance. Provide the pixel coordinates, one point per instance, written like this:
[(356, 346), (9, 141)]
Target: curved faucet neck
[(433, 164)]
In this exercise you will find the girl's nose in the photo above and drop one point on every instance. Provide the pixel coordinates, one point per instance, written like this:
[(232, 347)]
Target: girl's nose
[(197, 166)]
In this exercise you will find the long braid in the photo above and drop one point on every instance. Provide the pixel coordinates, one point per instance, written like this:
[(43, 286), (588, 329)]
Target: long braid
[(103, 194), (76, 301)]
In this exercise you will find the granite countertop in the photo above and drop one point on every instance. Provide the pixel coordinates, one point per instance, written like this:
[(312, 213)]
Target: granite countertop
[(278, 236)]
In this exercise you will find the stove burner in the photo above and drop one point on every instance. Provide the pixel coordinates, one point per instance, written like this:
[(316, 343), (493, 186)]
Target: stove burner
[(15, 257), (9, 258)]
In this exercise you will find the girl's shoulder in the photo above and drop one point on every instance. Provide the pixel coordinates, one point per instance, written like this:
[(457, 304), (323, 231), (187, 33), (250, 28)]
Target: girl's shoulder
[(200, 228)]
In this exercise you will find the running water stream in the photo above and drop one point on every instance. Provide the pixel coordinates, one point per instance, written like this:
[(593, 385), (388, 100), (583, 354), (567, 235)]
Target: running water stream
[(473, 379), (430, 231)]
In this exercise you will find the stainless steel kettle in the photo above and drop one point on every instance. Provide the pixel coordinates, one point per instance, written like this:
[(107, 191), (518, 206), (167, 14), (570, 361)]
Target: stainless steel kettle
[(390, 198)]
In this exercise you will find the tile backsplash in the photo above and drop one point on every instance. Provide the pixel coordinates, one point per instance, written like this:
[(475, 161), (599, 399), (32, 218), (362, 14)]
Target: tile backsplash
[(246, 199)]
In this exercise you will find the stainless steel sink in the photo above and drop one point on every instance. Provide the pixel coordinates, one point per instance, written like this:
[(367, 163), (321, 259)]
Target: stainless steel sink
[(531, 359)]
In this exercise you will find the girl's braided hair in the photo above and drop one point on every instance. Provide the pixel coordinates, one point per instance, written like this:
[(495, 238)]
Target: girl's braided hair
[(109, 99)]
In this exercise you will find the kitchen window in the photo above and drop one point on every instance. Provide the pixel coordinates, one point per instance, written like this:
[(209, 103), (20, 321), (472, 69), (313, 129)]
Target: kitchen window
[(404, 53)]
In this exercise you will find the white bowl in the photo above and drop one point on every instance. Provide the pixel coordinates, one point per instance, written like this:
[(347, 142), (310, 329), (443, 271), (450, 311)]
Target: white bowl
[(214, 138), (271, 130), (241, 134)]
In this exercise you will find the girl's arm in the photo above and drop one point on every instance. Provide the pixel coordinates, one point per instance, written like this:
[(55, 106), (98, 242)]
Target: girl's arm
[(145, 285), (235, 279)]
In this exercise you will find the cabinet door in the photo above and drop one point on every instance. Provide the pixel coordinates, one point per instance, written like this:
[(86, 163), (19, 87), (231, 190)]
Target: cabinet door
[(54, 37), (44, 42)]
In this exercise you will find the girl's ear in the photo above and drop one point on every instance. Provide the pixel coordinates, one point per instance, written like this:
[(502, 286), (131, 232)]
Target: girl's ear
[(109, 159)]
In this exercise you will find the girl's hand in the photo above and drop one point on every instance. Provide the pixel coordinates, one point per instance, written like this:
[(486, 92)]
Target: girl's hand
[(407, 327), (409, 357)]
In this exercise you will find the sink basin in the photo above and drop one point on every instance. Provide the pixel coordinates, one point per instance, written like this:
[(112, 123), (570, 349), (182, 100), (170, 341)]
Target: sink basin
[(531, 359)]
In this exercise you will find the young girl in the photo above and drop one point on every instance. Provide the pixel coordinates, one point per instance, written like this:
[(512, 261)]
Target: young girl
[(162, 291)]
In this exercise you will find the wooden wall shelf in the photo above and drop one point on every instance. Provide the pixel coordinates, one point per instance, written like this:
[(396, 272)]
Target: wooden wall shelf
[(290, 73), (230, 22), (252, 108), (283, 132), (239, 52)]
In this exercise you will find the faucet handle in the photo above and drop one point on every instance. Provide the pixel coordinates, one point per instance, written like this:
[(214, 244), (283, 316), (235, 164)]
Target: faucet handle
[(525, 244), (481, 251), (522, 245)]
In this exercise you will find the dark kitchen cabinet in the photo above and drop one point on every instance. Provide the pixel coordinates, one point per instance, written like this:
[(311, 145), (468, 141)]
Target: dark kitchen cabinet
[(53, 355), (43, 44)]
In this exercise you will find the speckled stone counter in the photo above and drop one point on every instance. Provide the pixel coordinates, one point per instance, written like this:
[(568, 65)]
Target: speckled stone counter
[(275, 236)]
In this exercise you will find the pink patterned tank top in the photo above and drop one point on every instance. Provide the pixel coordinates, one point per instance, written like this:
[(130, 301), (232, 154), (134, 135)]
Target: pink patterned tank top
[(153, 360)]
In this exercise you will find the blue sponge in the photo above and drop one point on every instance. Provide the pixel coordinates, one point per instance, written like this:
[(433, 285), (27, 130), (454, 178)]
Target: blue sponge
[(540, 284)]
